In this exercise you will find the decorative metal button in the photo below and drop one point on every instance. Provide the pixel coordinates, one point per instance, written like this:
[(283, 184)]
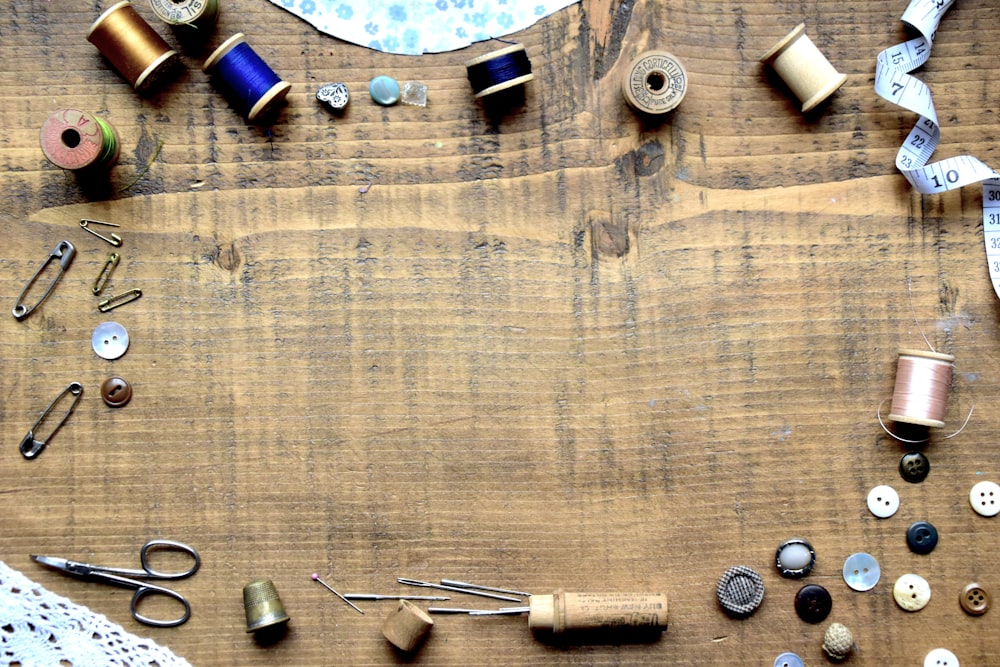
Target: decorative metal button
[(795, 558), (921, 537), (940, 657), (861, 571), (883, 501), (740, 591), (912, 592), (914, 467), (788, 660), (985, 498), (813, 603), (334, 95), (384, 90), (116, 392), (110, 340), (975, 600)]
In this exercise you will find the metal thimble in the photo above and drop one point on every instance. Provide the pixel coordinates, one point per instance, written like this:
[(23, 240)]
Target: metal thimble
[(262, 605)]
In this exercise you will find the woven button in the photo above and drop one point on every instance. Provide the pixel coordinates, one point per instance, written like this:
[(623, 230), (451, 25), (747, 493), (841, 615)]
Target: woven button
[(110, 340), (914, 467), (384, 90), (813, 603), (975, 600), (985, 498), (740, 591), (116, 392), (788, 660), (921, 537), (912, 592), (940, 657), (838, 642), (794, 558), (861, 571), (883, 501)]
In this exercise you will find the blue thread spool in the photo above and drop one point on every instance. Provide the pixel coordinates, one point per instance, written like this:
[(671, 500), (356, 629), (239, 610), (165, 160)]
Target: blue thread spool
[(245, 78), (499, 70)]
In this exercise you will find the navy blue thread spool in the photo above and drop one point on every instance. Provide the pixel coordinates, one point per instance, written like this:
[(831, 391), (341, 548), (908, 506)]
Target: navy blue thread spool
[(499, 70), (245, 78)]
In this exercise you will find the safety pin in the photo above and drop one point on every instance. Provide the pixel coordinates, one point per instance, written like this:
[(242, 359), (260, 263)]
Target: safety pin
[(455, 589), (114, 240), (105, 274), (32, 446), (64, 253), (119, 300)]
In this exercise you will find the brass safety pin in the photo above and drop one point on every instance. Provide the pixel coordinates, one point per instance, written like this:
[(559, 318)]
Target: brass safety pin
[(114, 239), (105, 274), (32, 446), (63, 253), (119, 300)]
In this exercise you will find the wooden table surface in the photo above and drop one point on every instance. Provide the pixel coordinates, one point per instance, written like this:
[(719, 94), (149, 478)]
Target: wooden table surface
[(566, 348)]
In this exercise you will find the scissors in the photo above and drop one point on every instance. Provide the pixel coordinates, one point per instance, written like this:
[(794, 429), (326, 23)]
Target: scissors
[(122, 577)]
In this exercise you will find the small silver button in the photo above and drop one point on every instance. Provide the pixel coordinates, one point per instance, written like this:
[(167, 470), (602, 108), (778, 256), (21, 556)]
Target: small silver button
[(110, 340), (861, 571), (788, 660)]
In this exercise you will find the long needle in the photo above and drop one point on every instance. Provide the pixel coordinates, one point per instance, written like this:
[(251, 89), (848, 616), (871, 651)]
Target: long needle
[(330, 588), (455, 589)]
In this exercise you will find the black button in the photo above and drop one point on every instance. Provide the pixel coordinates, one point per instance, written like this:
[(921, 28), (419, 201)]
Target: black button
[(922, 537), (740, 591), (914, 467), (813, 603)]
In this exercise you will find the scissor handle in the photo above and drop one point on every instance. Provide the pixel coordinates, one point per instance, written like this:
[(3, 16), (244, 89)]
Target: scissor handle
[(146, 590), (167, 545)]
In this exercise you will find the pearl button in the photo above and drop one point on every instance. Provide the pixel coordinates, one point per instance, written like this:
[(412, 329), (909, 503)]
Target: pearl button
[(912, 592), (861, 571), (883, 501), (985, 498), (940, 657), (110, 340), (788, 660)]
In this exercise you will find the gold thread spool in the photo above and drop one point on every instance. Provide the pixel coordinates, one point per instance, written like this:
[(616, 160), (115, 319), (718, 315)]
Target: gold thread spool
[(131, 45), (921, 393), (656, 83), (200, 15), (804, 68), (77, 140)]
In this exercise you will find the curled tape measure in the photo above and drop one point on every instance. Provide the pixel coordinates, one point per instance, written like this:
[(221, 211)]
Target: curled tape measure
[(894, 83)]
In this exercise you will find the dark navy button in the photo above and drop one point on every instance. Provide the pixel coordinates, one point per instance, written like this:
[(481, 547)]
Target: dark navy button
[(914, 467), (813, 603), (740, 591), (922, 537)]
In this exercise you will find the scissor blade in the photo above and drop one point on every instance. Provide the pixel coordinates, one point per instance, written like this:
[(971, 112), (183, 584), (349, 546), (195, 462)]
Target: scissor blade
[(52, 561)]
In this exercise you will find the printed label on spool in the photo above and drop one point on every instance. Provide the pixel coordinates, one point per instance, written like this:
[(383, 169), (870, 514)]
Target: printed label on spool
[(180, 12), (72, 139), (656, 83)]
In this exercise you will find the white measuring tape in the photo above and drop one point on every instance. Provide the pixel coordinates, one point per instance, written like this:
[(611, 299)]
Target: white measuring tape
[(894, 83)]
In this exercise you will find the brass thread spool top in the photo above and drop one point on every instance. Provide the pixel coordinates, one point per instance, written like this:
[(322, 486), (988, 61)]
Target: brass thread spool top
[(262, 605)]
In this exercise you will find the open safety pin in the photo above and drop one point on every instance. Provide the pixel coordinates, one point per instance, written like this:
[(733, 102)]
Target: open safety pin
[(64, 252), (114, 240), (32, 446)]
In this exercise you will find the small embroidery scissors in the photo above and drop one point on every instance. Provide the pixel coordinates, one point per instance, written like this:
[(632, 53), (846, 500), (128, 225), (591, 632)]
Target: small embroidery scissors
[(123, 577)]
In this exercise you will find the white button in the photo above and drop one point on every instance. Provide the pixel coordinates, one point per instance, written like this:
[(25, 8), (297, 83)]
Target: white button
[(883, 501), (940, 657), (861, 571), (985, 498), (110, 340), (788, 660), (912, 592)]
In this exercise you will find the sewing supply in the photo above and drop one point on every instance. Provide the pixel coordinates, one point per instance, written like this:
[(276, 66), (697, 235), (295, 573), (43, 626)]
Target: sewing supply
[(131, 45), (109, 340), (407, 626), (102, 278), (130, 578), (32, 445), (655, 84), (119, 300), (76, 140), (262, 606), (116, 392), (113, 239), (315, 577), (251, 85), (921, 393), (376, 597), (384, 90), (838, 642), (804, 68), (492, 589), (455, 589), (499, 70), (414, 94), (197, 17), (334, 96), (63, 252)]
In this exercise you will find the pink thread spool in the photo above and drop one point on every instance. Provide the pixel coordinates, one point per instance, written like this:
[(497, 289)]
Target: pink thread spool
[(922, 383)]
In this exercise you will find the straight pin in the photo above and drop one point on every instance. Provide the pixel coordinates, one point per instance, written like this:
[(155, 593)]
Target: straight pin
[(316, 578), (455, 589)]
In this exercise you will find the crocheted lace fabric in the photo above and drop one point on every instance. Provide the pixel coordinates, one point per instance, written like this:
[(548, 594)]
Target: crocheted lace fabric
[(41, 629)]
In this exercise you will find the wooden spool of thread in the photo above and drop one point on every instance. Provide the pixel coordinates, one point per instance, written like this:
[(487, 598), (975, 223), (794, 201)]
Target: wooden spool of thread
[(131, 45), (246, 79), (922, 383), (655, 84), (77, 140), (499, 70), (199, 16), (804, 68)]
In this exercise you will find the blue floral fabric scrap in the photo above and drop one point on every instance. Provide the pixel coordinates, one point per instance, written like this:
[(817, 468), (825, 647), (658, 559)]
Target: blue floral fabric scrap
[(412, 27)]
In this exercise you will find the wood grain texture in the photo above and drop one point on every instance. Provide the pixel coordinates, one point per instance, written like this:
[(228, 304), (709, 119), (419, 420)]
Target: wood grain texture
[(567, 348)]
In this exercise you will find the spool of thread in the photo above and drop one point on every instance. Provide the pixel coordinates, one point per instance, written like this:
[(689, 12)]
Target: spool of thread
[(252, 86), (804, 68), (922, 383), (655, 84), (131, 45), (199, 16), (499, 70), (77, 140)]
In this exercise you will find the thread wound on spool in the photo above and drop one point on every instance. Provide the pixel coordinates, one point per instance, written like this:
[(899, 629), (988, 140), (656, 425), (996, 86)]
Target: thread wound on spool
[(132, 47), (499, 70), (76, 140), (920, 396), (804, 68), (245, 78), (198, 14), (656, 83)]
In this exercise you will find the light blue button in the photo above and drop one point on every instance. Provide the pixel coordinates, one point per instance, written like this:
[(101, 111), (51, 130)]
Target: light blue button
[(861, 571), (384, 90), (788, 660)]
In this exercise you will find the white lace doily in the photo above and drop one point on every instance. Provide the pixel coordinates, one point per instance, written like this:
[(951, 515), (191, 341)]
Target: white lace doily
[(41, 629)]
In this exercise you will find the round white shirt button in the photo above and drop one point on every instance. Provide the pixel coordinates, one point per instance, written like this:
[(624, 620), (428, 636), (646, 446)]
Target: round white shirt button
[(985, 498), (788, 660), (941, 657), (883, 501), (912, 592), (110, 340), (861, 571)]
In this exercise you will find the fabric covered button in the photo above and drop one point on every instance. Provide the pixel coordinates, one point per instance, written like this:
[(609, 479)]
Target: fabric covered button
[(940, 657), (921, 537), (813, 603), (861, 571), (912, 592), (914, 467), (740, 591), (384, 90), (109, 340), (985, 498), (838, 642), (788, 660), (975, 600), (116, 392), (883, 501), (795, 558)]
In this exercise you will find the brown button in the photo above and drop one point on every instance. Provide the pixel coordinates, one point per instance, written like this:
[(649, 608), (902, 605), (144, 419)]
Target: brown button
[(116, 392), (975, 600)]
